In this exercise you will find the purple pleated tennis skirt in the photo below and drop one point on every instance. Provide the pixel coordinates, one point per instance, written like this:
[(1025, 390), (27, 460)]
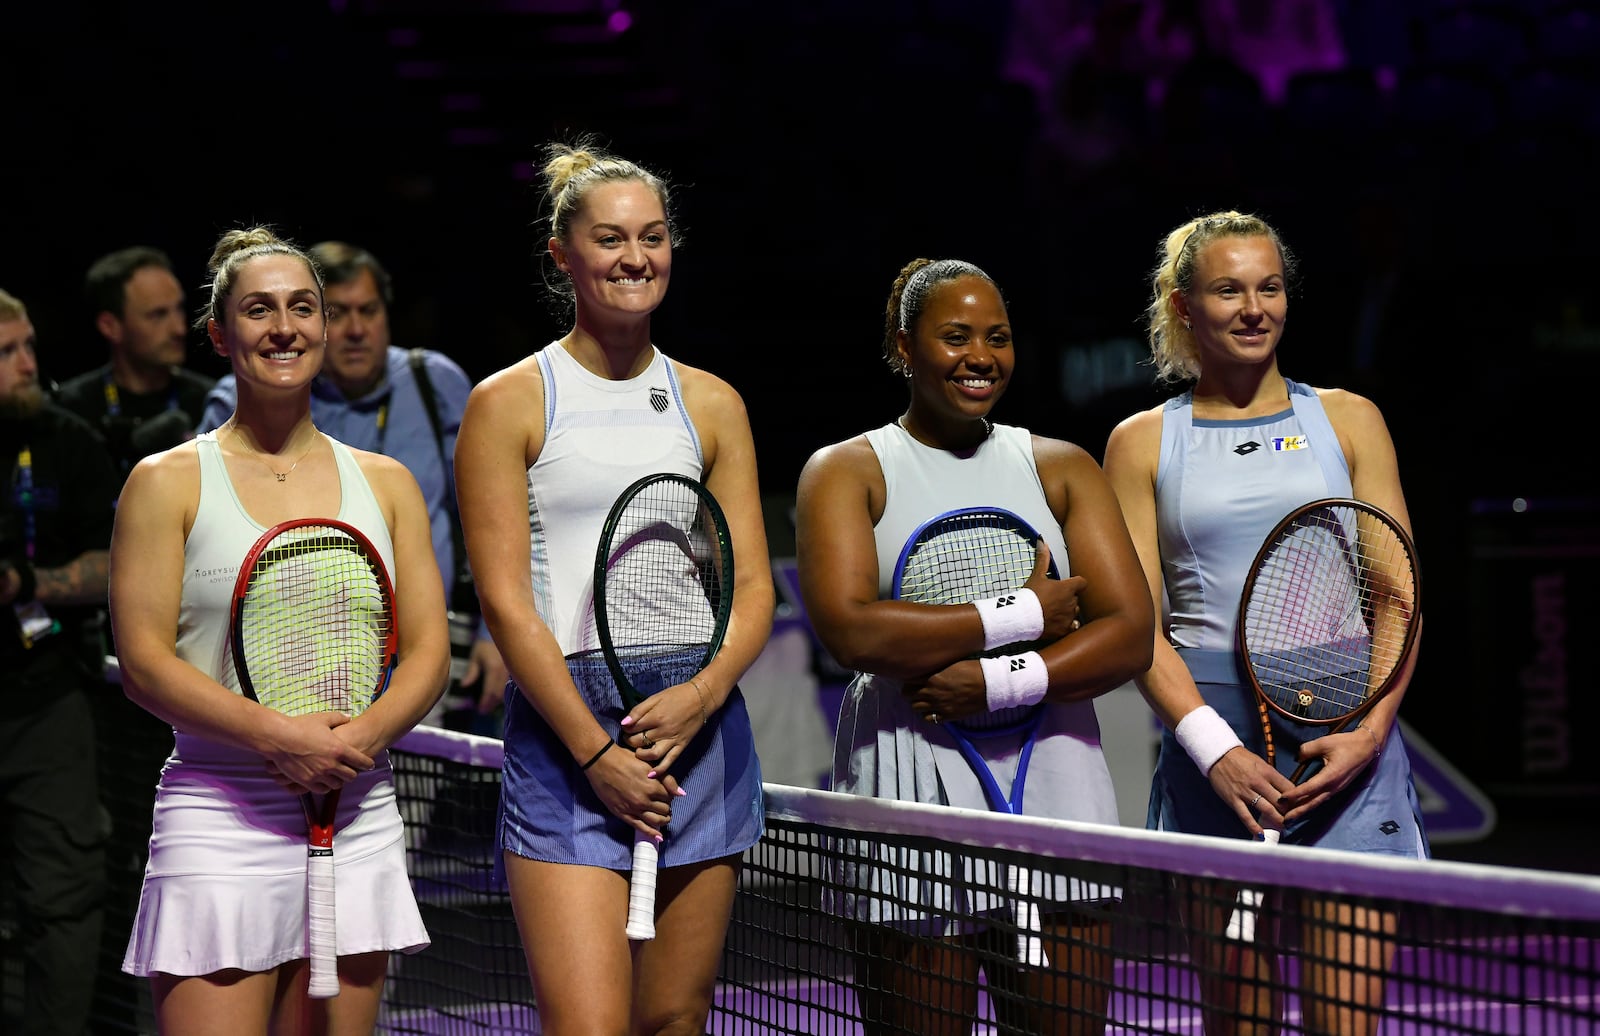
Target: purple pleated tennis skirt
[(549, 811)]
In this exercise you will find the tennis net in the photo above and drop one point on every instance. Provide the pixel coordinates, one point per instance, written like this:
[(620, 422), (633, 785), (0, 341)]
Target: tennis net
[(849, 907)]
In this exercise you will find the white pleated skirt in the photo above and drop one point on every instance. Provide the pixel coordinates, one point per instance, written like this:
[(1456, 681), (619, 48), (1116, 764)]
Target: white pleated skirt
[(885, 750), (225, 886)]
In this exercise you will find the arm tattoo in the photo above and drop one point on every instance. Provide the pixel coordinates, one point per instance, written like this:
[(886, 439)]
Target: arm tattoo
[(80, 581)]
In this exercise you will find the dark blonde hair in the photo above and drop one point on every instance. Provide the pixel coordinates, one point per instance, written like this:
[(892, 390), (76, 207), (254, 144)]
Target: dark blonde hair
[(570, 172), (11, 307), (233, 249), (1173, 350), (909, 295)]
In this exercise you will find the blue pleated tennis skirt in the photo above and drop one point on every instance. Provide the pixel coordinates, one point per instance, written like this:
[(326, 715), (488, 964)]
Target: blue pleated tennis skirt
[(549, 811)]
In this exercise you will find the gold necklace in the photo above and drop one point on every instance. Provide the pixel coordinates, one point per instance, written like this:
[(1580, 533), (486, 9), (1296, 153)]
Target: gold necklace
[(281, 476)]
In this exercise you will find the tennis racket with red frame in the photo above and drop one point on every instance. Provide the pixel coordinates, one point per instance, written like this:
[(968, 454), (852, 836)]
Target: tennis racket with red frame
[(313, 630), (663, 595), (959, 557), (1329, 616)]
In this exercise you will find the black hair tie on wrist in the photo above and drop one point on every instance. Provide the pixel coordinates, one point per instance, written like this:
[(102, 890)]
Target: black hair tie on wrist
[(603, 750)]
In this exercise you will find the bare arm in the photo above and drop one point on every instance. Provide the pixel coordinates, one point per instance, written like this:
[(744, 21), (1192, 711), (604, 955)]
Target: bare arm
[(1118, 628), (1375, 479), (731, 476), (1114, 641), (671, 719), (146, 583), (82, 580), (423, 665), (1132, 454), (502, 432), (840, 499)]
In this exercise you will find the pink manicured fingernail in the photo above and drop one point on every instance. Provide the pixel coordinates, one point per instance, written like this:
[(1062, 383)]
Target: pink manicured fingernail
[(627, 721), (659, 839), (680, 792), (651, 774)]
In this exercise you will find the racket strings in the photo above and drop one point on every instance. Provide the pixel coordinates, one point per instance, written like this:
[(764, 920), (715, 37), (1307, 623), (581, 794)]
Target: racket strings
[(314, 623), (966, 558), (663, 585), (1327, 617), (965, 561)]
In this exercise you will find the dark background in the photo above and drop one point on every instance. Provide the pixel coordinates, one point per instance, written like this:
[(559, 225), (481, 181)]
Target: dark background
[(1426, 159)]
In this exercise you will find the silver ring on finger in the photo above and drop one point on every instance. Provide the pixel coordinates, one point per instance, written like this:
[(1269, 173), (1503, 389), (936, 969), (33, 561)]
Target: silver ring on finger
[(1254, 801)]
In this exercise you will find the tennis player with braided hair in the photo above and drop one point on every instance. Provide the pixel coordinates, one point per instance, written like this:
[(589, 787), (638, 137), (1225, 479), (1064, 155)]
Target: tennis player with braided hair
[(547, 445), (1202, 479), (222, 925), (948, 335)]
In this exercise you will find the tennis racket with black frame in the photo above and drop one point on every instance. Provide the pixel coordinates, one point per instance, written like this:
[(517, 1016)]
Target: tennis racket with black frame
[(663, 594), (959, 557), (1328, 618), (312, 630)]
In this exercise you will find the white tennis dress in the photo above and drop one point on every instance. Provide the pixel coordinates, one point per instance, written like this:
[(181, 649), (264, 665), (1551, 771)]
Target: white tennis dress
[(884, 749), (225, 886)]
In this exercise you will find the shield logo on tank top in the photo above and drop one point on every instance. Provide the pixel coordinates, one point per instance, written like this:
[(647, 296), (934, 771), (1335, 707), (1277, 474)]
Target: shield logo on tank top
[(658, 400)]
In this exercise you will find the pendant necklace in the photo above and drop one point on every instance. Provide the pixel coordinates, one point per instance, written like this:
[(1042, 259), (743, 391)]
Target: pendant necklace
[(281, 476)]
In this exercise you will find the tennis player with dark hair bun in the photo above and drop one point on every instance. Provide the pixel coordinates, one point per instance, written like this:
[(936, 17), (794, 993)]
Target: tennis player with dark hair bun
[(1202, 479), (221, 929), (546, 446), (947, 333)]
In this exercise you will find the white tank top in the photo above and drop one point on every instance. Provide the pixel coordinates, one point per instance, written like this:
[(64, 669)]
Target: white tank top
[(923, 482), (600, 436), (223, 534)]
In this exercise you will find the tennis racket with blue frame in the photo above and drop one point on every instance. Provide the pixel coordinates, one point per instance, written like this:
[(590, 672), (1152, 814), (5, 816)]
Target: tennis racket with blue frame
[(959, 557)]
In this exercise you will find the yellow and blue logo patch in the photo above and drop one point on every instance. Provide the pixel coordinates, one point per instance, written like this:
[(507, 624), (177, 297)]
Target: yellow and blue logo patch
[(1289, 443)]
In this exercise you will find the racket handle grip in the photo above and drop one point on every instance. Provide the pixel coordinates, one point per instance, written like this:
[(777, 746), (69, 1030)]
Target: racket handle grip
[(1242, 923), (642, 889), (1030, 947), (321, 938)]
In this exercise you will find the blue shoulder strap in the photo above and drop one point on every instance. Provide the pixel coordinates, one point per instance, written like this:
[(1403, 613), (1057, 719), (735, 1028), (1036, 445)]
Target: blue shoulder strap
[(1324, 440)]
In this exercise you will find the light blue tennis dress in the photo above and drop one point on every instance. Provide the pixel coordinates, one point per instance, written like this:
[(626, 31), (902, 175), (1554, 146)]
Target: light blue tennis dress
[(1221, 486), (600, 436)]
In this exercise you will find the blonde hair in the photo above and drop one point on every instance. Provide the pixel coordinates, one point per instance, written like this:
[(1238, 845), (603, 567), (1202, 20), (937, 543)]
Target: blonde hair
[(571, 171), (233, 249), (11, 307), (1173, 350)]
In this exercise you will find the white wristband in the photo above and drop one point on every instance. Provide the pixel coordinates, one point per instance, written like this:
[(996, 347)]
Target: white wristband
[(1014, 617), (1206, 736), (1013, 680)]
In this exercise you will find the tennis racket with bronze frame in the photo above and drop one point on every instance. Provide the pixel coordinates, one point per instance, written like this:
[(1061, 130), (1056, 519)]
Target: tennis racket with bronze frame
[(1328, 619)]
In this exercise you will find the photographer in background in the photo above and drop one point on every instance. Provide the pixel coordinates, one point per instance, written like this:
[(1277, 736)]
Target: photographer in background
[(144, 400)]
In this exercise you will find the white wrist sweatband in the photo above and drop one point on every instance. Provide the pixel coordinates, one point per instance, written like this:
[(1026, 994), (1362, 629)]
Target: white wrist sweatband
[(1014, 617), (1013, 680), (1206, 736)]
